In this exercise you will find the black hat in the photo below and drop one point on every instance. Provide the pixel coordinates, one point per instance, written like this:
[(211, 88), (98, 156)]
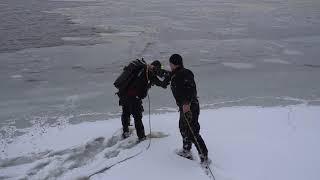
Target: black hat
[(156, 64), (176, 59)]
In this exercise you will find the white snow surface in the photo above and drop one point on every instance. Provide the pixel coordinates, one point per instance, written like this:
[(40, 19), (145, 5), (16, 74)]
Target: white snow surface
[(245, 143)]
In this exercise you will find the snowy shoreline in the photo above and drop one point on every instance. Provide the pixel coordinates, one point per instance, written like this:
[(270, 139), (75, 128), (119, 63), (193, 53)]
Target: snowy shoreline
[(246, 143)]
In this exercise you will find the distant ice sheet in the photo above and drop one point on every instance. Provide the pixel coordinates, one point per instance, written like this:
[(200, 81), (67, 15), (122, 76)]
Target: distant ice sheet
[(239, 65), (292, 52), (16, 76), (279, 61)]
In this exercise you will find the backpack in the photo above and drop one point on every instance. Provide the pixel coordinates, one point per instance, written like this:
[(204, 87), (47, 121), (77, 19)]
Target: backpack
[(129, 74)]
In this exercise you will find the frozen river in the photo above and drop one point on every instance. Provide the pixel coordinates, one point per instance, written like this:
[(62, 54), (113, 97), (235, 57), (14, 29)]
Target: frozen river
[(243, 52)]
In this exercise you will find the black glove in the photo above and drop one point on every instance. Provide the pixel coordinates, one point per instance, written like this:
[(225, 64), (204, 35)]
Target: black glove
[(165, 84)]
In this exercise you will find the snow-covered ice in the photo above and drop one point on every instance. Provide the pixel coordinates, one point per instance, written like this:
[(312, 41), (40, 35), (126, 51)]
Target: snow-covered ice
[(242, 52), (245, 143)]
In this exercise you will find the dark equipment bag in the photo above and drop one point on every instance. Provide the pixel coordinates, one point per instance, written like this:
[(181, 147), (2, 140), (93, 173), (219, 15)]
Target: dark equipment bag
[(128, 74)]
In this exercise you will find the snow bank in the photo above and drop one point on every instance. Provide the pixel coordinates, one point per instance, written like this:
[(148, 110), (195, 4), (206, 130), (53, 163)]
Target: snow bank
[(245, 143)]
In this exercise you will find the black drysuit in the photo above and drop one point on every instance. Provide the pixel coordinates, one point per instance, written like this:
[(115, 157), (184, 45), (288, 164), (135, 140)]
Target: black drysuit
[(184, 91), (131, 99)]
